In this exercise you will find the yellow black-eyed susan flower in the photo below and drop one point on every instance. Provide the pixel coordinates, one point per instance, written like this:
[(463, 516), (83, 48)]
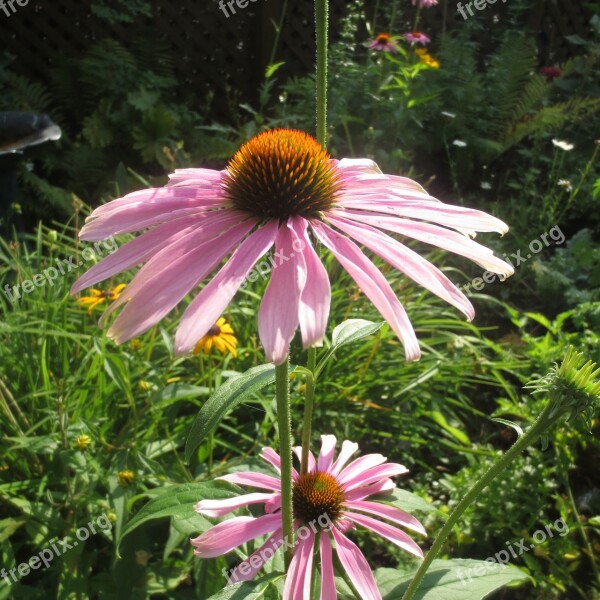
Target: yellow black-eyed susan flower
[(98, 297), (221, 336)]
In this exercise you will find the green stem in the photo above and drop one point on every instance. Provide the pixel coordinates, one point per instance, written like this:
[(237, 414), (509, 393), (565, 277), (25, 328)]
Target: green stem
[(282, 387), (543, 422), (322, 26), (278, 28), (309, 404)]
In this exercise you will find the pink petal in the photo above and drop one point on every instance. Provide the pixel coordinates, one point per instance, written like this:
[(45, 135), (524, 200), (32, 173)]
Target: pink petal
[(328, 443), (218, 508), (312, 463), (271, 457), (154, 291), (195, 176), (211, 302), (436, 236), (328, 591), (408, 262), (315, 300), (299, 576), (258, 480), (387, 512), (255, 562), (278, 314), (230, 534), (138, 250), (374, 474), (359, 466), (348, 449), (356, 567), (379, 487), (393, 534), (373, 284)]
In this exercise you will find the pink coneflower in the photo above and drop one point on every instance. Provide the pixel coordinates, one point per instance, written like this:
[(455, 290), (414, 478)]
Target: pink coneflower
[(425, 3), (384, 43), (550, 73), (278, 189), (329, 499), (416, 37)]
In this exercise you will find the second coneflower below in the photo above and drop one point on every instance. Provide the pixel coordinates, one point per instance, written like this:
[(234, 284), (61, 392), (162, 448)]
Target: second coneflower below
[(220, 336)]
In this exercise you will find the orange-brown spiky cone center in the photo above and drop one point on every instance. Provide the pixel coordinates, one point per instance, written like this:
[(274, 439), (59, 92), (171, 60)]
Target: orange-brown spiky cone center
[(317, 498)]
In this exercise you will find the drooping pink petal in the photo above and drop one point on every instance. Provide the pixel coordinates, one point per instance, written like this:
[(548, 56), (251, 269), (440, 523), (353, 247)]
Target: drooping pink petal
[(348, 449), (258, 480), (278, 313), (219, 508), (256, 561), (359, 466), (408, 262), (457, 217), (164, 289), (393, 534), (271, 457), (387, 512), (356, 567), (373, 474), (379, 487), (328, 591), (315, 299), (435, 235), (195, 176), (211, 302), (328, 443), (373, 284), (298, 579), (230, 534), (139, 250)]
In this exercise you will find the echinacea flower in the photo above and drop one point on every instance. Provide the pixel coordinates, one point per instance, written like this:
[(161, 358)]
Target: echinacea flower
[(331, 498), (425, 3), (550, 73), (221, 336), (416, 37), (280, 189), (384, 43), (98, 297)]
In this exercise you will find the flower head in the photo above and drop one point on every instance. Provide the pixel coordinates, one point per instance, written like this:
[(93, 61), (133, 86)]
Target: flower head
[(425, 3), (281, 190), (384, 43), (550, 73), (331, 498), (221, 336), (98, 297), (83, 442), (426, 58), (416, 37), (126, 477), (563, 145)]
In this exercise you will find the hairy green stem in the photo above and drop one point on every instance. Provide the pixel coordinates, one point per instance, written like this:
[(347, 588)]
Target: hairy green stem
[(309, 404), (284, 420), (322, 27), (543, 422)]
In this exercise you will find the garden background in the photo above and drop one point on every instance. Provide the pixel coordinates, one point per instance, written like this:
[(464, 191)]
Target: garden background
[(508, 122)]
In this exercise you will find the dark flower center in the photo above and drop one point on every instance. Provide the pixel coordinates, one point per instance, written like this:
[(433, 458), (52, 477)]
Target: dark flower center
[(383, 38), (214, 331), (282, 173), (317, 498)]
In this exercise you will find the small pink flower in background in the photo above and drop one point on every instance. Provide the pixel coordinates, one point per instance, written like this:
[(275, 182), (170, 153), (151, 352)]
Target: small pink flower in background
[(331, 499), (280, 189), (384, 43), (424, 3), (416, 37), (550, 73)]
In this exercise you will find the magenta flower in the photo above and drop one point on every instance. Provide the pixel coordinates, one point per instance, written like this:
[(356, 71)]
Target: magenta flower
[(550, 73), (330, 499), (384, 43), (280, 188), (416, 37), (425, 3)]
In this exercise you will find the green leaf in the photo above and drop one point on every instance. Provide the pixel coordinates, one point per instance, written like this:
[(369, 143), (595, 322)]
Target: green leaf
[(178, 391), (177, 501), (406, 501), (456, 433), (459, 579), (230, 394), (262, 589), (272, 69), (348, 332)]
